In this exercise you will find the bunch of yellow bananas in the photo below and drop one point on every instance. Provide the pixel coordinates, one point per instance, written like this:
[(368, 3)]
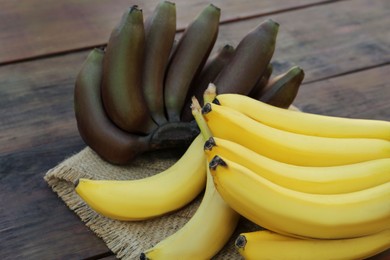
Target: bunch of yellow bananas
[(274, 167), (134, 95), (321, 184)]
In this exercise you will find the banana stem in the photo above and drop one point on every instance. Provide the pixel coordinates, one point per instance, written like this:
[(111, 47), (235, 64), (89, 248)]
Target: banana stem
[(197, 113), (210, 93)]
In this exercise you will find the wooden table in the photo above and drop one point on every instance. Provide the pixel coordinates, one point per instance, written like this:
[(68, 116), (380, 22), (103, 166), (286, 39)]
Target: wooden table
[(343, 46)]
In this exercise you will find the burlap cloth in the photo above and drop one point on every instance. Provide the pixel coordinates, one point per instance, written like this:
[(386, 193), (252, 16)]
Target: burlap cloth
[(127, 239)]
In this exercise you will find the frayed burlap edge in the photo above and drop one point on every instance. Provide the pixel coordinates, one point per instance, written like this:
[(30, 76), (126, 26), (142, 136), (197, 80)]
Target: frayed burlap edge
[(126, 239)]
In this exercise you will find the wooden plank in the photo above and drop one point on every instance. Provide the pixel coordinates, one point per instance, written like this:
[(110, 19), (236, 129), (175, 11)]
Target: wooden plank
[(325, 40), (42, 27), (34, 223), (43, 88), (37, 132), (359, 95)]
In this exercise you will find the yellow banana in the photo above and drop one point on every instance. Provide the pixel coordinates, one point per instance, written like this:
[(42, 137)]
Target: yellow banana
[(203, 235), (306, 123), (152, 196), (316, 180), (288, 147), (301, 214), (265, 244)]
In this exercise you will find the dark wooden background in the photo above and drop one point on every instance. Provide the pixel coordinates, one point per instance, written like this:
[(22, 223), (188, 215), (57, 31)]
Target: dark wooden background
[(343, 46)]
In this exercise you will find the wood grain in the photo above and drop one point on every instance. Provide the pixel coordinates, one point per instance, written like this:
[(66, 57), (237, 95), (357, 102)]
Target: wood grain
[(38, 131), (38, 28), (341, 46), (365, 94), (326, 40)]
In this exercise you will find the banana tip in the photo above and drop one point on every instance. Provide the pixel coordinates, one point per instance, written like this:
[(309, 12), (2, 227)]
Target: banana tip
[(143, 256), (273, 22), (240, 241), (215, 7), (101, 49), (135, 8), (209, 144), (216, 161), (216, 101), (228, 47), (76, 183), (206, 108), (170, 2)]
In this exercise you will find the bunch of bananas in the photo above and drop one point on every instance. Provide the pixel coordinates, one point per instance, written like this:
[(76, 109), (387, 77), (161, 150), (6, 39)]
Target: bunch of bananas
[(317, 183), (134, 96), (250, 157), (320, 184)]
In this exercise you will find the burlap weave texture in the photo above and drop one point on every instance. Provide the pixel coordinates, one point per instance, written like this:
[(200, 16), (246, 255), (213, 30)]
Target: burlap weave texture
[(126, 239)]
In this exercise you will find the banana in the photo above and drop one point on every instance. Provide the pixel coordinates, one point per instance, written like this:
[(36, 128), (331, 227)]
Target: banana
[(282, 89), (250, 60), (261, 83), (152, 196), (316, 180), (288, 147), (306, 123), (210, 71), (96, 129), (122, 75), (266, 244), (286, 211), (203, 235), (160, 25), (189, 57)]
